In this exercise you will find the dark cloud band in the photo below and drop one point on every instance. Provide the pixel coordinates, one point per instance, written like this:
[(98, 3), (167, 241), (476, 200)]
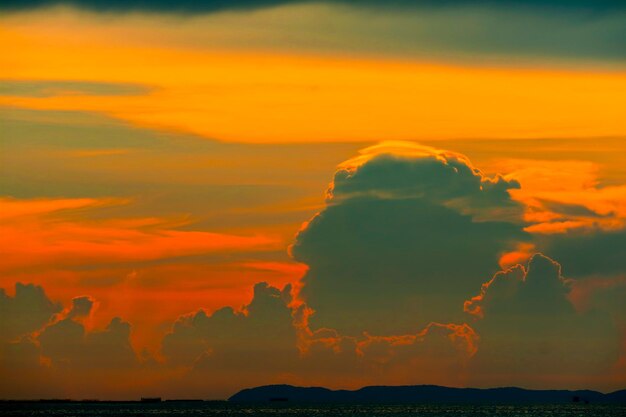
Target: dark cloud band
[(207, 6)]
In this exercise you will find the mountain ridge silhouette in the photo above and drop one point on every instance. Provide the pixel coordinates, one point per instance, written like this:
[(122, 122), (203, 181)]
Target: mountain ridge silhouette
[(424, 394)]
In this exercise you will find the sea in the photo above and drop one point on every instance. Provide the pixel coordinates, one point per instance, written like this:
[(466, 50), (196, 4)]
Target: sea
[(208, 409)]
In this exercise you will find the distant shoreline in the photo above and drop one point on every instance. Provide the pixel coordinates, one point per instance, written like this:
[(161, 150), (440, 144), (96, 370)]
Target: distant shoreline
[(86, 401)]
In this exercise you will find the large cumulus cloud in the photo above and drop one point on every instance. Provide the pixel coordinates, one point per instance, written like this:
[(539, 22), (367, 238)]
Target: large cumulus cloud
[(394, 294), (532, 333), (407, 235), (395, 261)]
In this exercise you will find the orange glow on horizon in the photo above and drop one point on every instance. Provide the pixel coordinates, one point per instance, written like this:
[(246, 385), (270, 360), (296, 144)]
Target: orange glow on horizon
[(46, 241)]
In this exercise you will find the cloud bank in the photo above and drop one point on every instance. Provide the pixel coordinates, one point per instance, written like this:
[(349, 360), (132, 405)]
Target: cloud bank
[(27, 311), (407, 233), (395, 293), (48, 351), (207, 6)]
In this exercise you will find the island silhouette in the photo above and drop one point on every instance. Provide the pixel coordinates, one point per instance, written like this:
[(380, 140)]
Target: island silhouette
[(424, 394), (381, 394)]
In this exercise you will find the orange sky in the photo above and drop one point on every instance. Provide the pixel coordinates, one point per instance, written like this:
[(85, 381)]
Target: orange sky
[(252, 95), (160, 167)]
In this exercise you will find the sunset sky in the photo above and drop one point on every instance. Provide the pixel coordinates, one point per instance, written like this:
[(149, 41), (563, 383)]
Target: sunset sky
[(202, 196)]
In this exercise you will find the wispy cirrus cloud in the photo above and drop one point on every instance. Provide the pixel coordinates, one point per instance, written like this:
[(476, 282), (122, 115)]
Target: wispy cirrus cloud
[(36, 232), (48, 88)]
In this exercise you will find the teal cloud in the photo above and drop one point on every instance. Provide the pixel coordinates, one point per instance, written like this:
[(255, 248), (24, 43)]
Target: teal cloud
[(468, 30), (588, 252), (25, 312), (69, 346), (30, 88), (403, 241), (191, 6), (531, 331), (45, 349), (265, 342)]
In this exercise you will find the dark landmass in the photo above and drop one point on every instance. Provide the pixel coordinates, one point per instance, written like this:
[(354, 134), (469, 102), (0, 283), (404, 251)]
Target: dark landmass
[(96, 401), (410, 394), (429, 394)]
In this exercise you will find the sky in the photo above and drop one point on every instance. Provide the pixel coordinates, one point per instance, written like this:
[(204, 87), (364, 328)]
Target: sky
[(198, 197)]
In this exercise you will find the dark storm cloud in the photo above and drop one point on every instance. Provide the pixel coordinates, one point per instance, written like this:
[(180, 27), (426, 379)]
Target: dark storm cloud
[(587, 253), (193, 6), (530, 328), (407, 233), (453, 29), (27, 311)]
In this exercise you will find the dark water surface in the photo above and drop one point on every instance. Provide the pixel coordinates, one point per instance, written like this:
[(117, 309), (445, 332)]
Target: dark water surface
[(286, 410)]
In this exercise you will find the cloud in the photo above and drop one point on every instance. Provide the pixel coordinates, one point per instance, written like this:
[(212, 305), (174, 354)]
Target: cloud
[(14, 209), (407, 233), (531, 332), (254, 345), (77, 242), (190, 6), (437, 354), (595, 260), (41, 232), (610, 297), (48, 351), (458, 29), (407, 236), (60, 337), (24, 376), (267, 342), (67, 345), (27, 311), (566, 195), (404, 170), (263, 328), (32, 88), (589, 252), (537, 291), (81, 307)]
